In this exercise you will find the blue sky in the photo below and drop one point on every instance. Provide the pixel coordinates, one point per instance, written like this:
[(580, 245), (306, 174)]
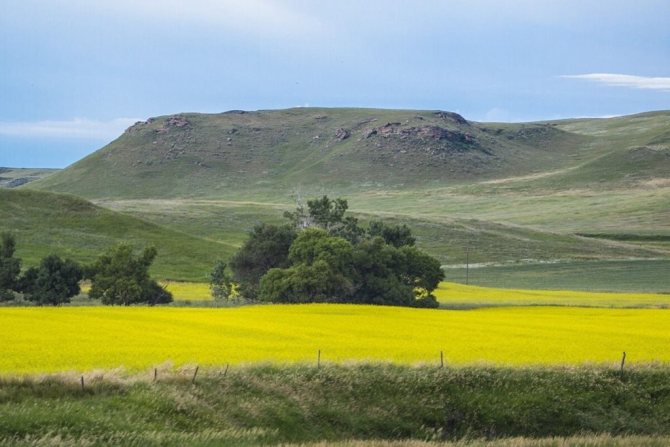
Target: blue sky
[(75, 73)]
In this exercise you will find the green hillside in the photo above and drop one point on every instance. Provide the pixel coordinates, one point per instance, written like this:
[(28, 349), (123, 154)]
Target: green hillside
[(272, 153), (507, 193), (15, 177), (444, 237), (45, 223)]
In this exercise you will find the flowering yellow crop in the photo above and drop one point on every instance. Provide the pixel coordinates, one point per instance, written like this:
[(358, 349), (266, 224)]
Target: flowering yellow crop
[(85, 338), (188, 291), (181, 291), (455, 294), (449, 293)]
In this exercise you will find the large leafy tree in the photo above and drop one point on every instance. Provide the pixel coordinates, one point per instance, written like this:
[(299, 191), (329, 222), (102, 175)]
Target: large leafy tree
[(326, 256), (325, 268), (119, 276), (267, 247), (10, 267), (53, 282)]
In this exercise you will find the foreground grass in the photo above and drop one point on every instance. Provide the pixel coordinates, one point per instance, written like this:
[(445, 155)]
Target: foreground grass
[(218, 438), (573, 441), (86, 338), (335, 404)]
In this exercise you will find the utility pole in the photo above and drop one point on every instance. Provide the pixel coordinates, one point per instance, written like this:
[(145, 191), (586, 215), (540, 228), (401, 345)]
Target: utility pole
[(467, 265)]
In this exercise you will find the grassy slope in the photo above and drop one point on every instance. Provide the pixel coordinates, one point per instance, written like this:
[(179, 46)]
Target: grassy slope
[(15, 177), (272, 153), (609, 275), (513, 192), (45, 223), (265, 405), (444, 237)]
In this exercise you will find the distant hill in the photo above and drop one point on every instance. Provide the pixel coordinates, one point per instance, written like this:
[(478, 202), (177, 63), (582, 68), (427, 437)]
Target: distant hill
[(271, 152), (504, 193), (15, 177), (45, 223)]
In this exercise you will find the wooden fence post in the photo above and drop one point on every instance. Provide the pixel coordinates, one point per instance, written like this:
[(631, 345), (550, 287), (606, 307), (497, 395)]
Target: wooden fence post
[(82, 383), (195, 374), (623, 361), (441, 359), (318, 358)]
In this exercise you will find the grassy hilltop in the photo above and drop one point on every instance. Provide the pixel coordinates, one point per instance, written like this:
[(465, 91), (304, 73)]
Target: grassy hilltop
[(570, 191)]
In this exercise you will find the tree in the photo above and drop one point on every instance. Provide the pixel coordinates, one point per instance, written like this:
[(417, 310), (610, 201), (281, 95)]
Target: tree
[(266, 248), (377, 266), (398, 235), (220, 282), (327, 259), (319, 271), (53, 282), (328, 215), (10, 267), (305, 283), (121, 277)]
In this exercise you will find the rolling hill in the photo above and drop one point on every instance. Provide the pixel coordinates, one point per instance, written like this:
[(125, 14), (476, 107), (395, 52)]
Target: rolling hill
[(15, 177), (45, 223), (506, 193), (272, 153)]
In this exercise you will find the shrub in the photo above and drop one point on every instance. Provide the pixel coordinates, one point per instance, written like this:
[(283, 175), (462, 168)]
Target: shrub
[(121, 277)]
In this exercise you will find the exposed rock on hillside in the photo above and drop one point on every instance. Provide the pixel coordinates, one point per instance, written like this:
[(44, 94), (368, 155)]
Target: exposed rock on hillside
[(342, 134), (451, 116)]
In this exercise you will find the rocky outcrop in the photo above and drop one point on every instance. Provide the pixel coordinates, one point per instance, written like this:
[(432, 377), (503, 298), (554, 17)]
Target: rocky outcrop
[(390, 130), (342, 134), (451, 116)]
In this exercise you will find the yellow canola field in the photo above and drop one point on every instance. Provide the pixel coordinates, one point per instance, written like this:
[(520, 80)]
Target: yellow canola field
[(181, 291), (455, 294), (188, 291), (87, 338)]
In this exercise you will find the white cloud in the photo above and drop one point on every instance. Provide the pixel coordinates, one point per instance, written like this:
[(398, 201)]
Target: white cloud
[(622, 80), (75, 128), (257, 17)]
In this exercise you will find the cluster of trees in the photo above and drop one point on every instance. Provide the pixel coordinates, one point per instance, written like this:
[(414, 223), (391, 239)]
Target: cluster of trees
[(117, 277), (322, 255)]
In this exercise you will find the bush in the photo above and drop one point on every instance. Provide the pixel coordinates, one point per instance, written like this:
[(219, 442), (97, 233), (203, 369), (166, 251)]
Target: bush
[(121, 277), (53, 282)]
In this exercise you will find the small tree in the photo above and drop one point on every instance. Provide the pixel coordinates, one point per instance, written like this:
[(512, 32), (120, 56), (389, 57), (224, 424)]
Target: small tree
[(327, 214), (220, 283), (10, 267), (53, 282), (121, 277), (398, 235)]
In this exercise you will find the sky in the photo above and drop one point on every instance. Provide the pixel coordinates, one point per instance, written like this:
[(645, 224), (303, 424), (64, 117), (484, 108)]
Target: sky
[(75, 73)]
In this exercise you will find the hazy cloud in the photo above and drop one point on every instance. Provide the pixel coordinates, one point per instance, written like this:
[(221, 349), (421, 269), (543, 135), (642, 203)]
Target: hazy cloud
[(75, 128), (622, 80), (258, 17)]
